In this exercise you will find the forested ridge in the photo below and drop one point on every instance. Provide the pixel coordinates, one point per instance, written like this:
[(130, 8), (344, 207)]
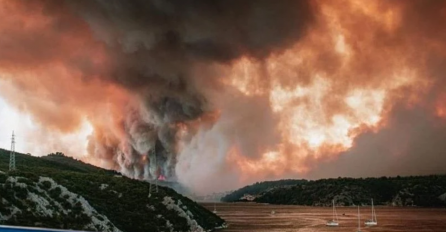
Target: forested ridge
[(258, 188), (427, 191)]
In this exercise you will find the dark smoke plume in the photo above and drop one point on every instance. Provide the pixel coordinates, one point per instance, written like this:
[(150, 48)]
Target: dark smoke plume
[(221, 93), (155, 48)]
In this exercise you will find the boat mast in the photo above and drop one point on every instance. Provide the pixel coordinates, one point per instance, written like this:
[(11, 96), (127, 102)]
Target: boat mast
[(333, 210), (373, 212)]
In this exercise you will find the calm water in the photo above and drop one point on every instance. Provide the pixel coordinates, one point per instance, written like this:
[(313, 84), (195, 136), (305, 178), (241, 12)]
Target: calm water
[(257, 217)]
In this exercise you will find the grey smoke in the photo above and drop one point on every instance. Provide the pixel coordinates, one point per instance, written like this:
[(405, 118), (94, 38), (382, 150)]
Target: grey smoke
[(172, 58), (156, 48)]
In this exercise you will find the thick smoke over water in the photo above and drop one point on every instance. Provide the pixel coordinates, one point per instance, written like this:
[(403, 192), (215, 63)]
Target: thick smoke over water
[(217, 94)]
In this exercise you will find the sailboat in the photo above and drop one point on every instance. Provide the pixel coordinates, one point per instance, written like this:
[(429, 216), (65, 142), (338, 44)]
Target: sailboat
[(215, 208), (373, 221), (333, 222), (359, 220)]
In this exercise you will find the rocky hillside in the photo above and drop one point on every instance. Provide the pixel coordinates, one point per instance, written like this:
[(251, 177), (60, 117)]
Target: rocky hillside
[(428, 191), (61, 192)]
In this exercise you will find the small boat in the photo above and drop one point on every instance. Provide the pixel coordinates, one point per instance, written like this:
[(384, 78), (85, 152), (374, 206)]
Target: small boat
[(215, 208), (334, 221), (373, 221), (273, 212), (359, 220)]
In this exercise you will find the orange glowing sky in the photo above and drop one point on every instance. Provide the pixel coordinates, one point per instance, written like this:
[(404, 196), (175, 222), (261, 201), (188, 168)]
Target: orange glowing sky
[(306, 103)]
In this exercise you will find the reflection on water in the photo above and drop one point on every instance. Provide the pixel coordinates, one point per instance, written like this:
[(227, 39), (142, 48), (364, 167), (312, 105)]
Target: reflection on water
[(244, 217)]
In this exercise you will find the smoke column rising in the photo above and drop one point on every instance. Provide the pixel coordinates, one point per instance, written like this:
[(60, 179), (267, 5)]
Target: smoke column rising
[(224, 93)]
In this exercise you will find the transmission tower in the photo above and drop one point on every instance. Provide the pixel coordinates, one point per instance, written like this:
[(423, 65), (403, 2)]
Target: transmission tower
[(153, 154), (156, 167), (12, 154)]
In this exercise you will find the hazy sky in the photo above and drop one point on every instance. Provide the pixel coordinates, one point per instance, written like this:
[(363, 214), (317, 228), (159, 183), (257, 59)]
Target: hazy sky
[(32, 138), (11, 120)]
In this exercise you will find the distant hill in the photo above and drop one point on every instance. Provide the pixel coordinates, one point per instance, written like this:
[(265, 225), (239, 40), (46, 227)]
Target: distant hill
[(258, 188), (60, 192), (76, 165), (426, 191), (56, 161), (211, 197)]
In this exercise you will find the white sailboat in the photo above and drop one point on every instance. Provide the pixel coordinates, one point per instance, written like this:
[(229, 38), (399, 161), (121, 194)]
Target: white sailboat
[(333, 222), (373, 221), (359, 220), (215, 208)]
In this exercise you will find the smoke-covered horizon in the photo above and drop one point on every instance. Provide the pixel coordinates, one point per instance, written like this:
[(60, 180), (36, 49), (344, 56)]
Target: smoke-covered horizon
[(218, 94)]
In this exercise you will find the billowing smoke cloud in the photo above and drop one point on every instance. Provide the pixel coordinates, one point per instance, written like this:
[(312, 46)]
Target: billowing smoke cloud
[(150, 50), (408, 139), (216, 94), (155, 49), (412, 144)]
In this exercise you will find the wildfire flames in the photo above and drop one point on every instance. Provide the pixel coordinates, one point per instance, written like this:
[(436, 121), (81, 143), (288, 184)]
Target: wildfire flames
[(162, 178), (216, 94)]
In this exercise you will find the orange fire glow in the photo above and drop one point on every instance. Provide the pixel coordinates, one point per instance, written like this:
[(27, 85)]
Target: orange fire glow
[(312, 99), (322, 111)]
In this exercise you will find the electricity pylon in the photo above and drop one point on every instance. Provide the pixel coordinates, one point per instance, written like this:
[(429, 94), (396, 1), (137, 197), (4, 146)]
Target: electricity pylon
[(153, 154), (12, 154)]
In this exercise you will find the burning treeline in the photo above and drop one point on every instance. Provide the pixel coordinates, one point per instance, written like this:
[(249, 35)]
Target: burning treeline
[(221, 93)]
